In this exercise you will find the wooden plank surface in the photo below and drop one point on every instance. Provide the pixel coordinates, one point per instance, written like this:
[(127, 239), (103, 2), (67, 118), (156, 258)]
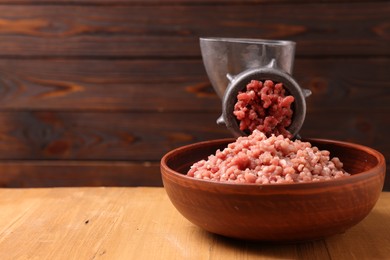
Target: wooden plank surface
[(101, 136), (137, 136), (176, 85), (141, 85), (59, 173), (141, 223), (70, 70), (320, 29)]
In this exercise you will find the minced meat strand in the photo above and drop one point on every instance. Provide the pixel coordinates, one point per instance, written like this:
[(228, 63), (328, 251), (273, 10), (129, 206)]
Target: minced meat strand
[(266, 107), (276, 159)]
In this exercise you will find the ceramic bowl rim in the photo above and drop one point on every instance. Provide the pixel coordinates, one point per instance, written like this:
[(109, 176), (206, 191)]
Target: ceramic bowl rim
[(166, 171)]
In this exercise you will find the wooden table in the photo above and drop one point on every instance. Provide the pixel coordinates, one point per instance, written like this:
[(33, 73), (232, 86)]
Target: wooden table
[(141, 223)]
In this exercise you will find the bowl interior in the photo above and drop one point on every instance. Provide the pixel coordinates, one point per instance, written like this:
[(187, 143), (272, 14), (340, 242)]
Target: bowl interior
[(356, 158)]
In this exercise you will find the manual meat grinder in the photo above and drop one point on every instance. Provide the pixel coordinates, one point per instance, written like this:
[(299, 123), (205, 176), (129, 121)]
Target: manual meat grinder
[(231, 63)]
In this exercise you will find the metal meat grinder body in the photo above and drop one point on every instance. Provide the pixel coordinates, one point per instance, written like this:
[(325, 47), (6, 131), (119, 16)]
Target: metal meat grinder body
[(231, 63)]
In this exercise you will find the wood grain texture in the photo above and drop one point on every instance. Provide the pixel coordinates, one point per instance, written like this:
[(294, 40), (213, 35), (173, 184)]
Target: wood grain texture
[(122, 81), (78, 173), (127, 223), (147, 136), (320, 29), (141, 85), (101, 136), (176, 85)]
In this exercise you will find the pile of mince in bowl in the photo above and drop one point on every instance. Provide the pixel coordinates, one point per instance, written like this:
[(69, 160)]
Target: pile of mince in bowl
[(265, 160)]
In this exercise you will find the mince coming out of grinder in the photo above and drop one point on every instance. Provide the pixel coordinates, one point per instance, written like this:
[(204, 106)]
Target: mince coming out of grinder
[(253, 79), (265, 108)]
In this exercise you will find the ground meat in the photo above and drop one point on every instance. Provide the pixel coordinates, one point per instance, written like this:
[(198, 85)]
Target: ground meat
[(265, 107), (258, 159)]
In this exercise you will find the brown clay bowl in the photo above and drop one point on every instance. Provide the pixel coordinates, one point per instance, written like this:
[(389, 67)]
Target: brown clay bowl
[(276, 212)]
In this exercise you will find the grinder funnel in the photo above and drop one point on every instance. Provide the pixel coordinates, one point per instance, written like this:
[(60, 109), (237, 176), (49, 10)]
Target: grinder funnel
[(231, 63)]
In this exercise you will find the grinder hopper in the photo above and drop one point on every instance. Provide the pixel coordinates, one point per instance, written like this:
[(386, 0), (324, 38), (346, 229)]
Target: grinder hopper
[(231, 63)]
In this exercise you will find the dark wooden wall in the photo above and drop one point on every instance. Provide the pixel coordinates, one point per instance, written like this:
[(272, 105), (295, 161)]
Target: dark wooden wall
[(94, 92)]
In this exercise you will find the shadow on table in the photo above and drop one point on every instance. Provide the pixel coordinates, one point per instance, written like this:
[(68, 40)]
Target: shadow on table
[(369, 239), (242, 249)]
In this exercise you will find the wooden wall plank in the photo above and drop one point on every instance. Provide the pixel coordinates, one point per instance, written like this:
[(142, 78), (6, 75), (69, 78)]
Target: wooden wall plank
[(176, 85), (78, 173), (146, 85), (101, 136), (320, 29), (147, 136), (99, 87)]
